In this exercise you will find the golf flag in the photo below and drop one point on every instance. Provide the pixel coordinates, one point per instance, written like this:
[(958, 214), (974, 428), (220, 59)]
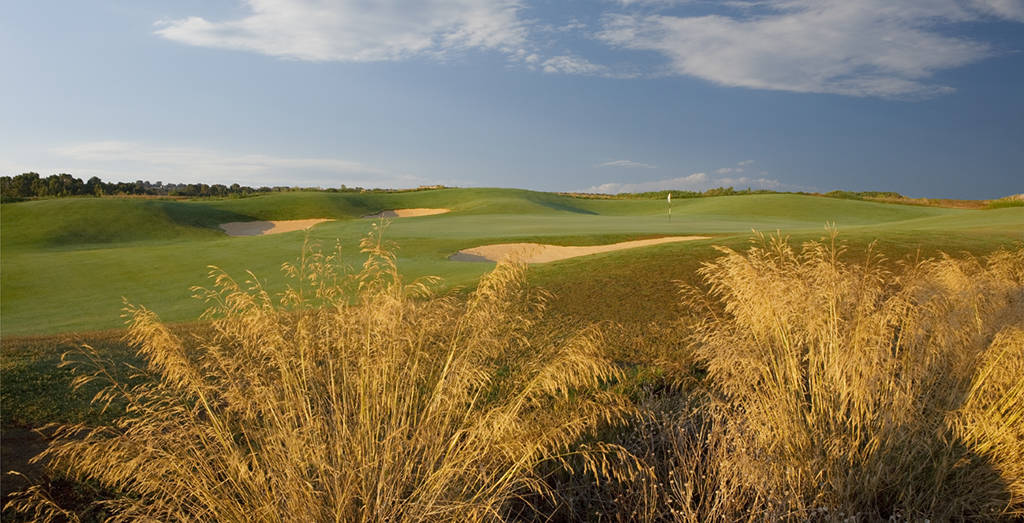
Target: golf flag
[(669, 197)]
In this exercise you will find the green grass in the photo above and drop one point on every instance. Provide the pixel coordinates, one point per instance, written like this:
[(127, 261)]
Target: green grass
[(56, 282), (67, 263), (1006, 202)]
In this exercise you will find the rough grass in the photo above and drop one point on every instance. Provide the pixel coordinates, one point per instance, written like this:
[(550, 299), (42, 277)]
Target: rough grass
[(346, 400), (785, 383), (1005, 203), (866, 390)]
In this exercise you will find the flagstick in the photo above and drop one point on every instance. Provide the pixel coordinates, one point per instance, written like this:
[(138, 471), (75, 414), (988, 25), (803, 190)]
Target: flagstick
[(669, 206)]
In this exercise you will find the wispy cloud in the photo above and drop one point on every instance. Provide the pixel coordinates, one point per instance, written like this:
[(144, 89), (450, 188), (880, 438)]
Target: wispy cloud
[(569, 64), (120, 160), (358, 31), (692, 182), (740, 167), (1009, 9), (700, 181), (858, 48), (627, 164), (743, 182)]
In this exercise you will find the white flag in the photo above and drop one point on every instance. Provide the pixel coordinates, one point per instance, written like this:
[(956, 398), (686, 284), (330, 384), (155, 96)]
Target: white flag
[(669, 197)]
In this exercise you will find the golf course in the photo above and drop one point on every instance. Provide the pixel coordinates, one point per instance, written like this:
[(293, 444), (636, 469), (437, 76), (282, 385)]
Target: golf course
[(621, 280), (67, 263)]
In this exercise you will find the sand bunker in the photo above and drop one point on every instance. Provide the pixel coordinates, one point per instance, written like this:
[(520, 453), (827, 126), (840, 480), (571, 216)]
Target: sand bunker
[(407, 213), (541, 253), (274, 227)]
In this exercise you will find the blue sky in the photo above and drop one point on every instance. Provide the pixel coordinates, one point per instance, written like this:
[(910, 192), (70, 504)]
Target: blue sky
[(923, 97)]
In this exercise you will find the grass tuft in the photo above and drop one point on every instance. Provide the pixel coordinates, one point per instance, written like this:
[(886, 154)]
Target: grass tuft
[(352, 396), (866, 390)]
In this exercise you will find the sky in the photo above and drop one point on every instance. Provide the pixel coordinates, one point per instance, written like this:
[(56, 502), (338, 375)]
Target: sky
[(921, 97)]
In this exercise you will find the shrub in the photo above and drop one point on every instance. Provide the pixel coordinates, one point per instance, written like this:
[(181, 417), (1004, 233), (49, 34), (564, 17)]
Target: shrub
[(353, 397), (1003, 203), (849, 390)]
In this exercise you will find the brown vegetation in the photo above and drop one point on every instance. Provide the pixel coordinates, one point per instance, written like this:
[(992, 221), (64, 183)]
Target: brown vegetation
[(798, 386), (322, 407), (855, 390)]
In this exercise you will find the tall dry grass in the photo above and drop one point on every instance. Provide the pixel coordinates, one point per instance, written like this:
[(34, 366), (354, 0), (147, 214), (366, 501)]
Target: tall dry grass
[(350, 398), (853, 390), (808, 387)]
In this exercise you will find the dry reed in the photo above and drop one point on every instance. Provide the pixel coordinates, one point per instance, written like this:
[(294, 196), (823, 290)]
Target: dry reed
[(348, 399), (833, 391), (865, 391)]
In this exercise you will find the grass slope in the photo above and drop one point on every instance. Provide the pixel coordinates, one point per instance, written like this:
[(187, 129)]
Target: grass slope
[(67, 263)]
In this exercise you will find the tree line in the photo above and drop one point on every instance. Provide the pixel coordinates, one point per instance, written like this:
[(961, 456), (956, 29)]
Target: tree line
[(32, 185)]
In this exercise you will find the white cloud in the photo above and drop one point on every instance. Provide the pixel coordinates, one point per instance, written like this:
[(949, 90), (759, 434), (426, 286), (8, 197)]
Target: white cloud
[(653, 2), (358, 30), (754, 183), (626, 163), (568, 64), (118, 160), (745, 163), (572, 25), (1010, 9), (693, 182), (858, 48)]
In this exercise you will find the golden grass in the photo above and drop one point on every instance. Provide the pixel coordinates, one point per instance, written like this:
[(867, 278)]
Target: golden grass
[(349, 399), (852, 390), (801, 386)]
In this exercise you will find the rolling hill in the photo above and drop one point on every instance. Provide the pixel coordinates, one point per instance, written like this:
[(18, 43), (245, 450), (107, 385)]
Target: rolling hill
[(67, 263)]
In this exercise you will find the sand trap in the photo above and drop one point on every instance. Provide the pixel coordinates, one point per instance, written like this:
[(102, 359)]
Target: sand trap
[(407, 213), (274, 227), (541, 253)]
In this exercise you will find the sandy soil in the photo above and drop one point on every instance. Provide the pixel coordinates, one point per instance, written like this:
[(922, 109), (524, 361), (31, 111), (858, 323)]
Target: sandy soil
[(407, 213), (274, 227), (542, 253)]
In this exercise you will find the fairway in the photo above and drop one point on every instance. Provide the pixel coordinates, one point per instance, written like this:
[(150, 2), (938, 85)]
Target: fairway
[(67, 263)]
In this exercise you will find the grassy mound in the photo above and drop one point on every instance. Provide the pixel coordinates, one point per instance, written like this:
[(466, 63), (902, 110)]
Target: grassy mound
[(72, 223)]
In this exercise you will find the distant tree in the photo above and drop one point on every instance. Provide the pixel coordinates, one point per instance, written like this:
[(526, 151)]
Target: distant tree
[(720, 191), (23, 185), (94, 186)]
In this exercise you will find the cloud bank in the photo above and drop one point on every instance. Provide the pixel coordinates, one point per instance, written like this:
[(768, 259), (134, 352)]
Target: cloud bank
[(627, 164), (693, 182), (861, 48), (358, 31), (856, 48)]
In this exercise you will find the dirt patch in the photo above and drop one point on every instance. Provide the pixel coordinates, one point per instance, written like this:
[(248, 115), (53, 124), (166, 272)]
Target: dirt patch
[(407, 213), (271, 227), (20, 445), (542, 253)]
